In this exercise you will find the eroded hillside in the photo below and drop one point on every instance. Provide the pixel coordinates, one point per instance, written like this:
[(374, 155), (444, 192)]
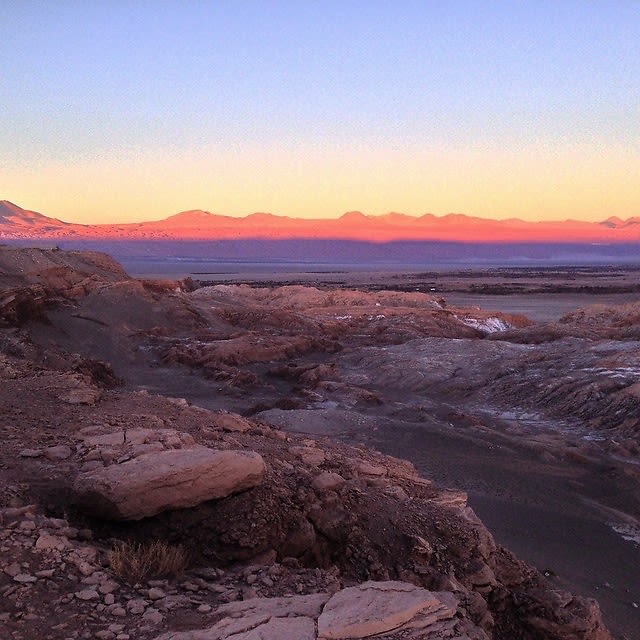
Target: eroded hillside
[(282, 384)]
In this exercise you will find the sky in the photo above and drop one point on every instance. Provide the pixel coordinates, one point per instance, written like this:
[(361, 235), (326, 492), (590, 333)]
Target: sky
[(116, 110)]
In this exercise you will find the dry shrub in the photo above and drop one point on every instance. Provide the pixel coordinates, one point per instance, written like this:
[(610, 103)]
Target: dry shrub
[(135, 562)]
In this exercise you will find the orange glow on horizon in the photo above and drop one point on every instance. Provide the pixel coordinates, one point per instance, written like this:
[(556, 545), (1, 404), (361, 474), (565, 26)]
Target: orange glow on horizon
[(538, 184)]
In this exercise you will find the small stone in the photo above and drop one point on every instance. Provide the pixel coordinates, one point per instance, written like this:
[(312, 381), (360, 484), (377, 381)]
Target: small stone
[(105, 635), (27, 525), (116, 628), (136, 606), (251, 579), (327, 481), (208, 573), (157, 583), (309, 455), (248, 593), (117, 611), (109, 586), (109, 599), (61, 452), (190, 586), (155, 593), (25, 578), (204, 608), (85, 568), (87, 594), (31, 453), (81, 396), (152, 616), (45, 573), (123, 636), (47, 542), (13, 569), (368, 469), (232, 422)]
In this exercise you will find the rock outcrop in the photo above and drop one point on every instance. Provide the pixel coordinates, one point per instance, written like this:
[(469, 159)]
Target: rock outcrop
[(390, 610), (376, 608)]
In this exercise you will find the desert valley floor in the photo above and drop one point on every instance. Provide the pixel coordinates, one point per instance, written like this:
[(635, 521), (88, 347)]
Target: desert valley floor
[(515, 390)]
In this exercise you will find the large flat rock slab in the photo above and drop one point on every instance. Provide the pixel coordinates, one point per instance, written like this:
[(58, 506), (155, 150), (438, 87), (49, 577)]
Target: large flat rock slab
[(284, 618), (270, 629), (389, 610), (374, 608), (163, 480)]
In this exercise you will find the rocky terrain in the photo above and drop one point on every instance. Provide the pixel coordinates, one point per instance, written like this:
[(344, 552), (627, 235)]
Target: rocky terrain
[(235, 428)]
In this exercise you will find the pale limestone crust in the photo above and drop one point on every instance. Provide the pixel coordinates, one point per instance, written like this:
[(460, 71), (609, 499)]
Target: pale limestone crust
[(377, 607), (285, 618)]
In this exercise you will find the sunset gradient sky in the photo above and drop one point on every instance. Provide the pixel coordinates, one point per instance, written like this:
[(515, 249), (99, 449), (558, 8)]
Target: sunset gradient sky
[(115, 110)]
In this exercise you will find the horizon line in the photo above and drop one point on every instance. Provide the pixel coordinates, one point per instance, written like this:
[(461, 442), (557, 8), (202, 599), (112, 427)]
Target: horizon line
[(353, 213)]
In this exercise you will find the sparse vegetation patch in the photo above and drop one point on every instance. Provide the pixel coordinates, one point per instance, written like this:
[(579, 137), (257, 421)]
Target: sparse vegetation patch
[(134, 562)]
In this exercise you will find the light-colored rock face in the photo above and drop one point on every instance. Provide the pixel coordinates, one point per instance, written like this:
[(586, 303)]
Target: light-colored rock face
[(283, 629), (373, 608), (390, 610), (173, 479), (139, 436), (286, 618), (232, 422)]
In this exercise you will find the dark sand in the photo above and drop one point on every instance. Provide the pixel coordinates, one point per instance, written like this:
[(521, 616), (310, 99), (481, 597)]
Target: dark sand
[(541, 307), (535, 509)]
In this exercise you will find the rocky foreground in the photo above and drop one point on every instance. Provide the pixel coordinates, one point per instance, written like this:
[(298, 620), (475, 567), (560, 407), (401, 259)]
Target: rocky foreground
[(272, 534), (286, 537)]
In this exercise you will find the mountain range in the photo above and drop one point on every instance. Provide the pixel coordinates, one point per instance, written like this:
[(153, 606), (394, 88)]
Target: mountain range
[(353, 236)]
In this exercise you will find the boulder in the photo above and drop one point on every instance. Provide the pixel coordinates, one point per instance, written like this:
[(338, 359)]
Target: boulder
[(159, 481), (328, 481), (312, 456), (232, 422)]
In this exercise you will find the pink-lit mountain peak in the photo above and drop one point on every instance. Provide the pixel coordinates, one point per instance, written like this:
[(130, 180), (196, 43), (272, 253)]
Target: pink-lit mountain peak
[(193, 215), (354, 216), (11, 213), (197, 224)]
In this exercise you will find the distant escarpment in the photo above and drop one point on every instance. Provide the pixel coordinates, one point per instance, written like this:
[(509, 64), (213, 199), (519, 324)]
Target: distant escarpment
[(352, 238)]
